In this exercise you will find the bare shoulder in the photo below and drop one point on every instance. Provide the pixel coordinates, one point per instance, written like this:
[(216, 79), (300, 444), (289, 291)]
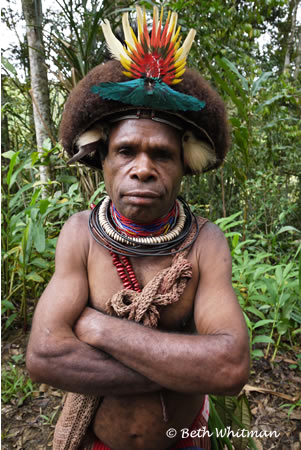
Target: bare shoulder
[(76, 225), (211, 250), (211, 238), (77, 221), (74, 237)]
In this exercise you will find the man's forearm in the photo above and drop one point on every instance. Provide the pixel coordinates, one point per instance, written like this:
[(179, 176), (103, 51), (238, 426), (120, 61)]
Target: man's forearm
[(184, 363), (74, 366)]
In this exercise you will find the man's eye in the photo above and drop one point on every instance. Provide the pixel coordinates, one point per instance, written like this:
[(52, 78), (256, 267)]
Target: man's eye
[(124, 151), (163, 155)]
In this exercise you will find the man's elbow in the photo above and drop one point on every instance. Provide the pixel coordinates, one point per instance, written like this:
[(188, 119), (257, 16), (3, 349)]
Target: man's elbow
[(35, 366), (238, 375)]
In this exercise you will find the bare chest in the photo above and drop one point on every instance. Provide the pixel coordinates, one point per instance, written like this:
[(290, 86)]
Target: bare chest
[(104, 282)]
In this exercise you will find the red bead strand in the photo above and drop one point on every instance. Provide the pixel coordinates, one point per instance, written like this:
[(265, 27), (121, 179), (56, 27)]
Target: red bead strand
[(125, 272), (131, 273)]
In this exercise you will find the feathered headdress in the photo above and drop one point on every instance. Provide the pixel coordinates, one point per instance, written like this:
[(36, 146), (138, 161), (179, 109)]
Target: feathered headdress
[(160, 89), (154, 61)]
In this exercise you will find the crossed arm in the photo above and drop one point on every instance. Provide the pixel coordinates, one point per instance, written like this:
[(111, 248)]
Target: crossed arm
[(55, 355), (79, 349)]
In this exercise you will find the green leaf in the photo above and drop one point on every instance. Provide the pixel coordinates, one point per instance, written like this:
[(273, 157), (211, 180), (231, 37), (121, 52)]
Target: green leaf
[(269, 102), (282, 327), (44, 203), (16, 198), (99, 193), (35, 196), (261, 323), (5, 305), (248, 322), (8, 154), (33, 276), (8, 66), (263, 339), (67, 179), (10, 320), (224, 406), (257, 84), (12, 164), (39, 238), (279, 275), (242, 413), (26, 244), (255, 311), (257, 353), (231, 66), (288, 228), (228, 89), (40, 262)]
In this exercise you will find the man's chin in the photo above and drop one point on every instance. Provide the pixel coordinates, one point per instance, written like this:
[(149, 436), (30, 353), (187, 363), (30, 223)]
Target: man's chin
[(141, 211)]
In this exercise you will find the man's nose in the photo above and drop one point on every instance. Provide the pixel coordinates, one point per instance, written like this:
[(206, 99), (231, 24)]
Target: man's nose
[(143, 168)]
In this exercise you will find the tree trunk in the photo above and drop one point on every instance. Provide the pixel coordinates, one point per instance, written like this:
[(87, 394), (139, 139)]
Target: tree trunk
[(291, 33), (298, 58), (32, 10)]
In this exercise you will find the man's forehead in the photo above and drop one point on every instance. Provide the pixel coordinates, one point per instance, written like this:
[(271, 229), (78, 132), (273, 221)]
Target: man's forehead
[(137, 129)]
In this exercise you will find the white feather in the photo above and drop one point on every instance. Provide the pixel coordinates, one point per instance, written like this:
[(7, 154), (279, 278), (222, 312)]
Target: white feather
[(113, 44), (139, 21), (197, 154), (90, 136), (127, 29), (155, 18), (173, 23), (184, 50)]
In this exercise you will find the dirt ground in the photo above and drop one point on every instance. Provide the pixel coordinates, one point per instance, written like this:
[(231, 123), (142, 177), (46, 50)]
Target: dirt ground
[(29, 423)]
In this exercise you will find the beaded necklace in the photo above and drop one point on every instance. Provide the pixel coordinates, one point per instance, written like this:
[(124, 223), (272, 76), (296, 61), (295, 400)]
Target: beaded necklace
[(158, 227), (105, 234), (109, 228)]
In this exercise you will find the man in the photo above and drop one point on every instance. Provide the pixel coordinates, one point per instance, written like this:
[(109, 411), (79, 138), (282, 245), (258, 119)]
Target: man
[(146, 259)]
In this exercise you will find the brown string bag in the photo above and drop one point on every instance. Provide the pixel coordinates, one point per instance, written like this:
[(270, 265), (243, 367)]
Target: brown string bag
[(164, 289)]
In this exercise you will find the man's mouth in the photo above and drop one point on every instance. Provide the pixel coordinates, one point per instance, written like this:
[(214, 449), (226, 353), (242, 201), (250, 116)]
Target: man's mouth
[(142, 194)]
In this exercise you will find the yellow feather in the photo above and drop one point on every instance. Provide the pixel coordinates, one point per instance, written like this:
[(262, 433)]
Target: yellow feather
[(161, 15), (187, 44), (134, 37), (178, 54), (128, 74), (175, 37), (176, 81), (179, 64), (125, 62), (114, 45), (173, 23), (128, 52), (155, 18), (177, 45), (168, 16), (127, 29), (180, 72)]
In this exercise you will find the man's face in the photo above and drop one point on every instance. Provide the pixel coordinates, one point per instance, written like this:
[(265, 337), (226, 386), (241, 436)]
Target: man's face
[(143, 168)]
